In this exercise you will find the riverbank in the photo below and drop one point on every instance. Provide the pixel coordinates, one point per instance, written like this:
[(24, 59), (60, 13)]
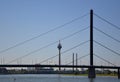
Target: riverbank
[(87, 74)]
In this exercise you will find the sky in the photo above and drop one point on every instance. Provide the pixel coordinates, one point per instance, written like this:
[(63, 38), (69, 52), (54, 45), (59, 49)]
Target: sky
[(21, 20)]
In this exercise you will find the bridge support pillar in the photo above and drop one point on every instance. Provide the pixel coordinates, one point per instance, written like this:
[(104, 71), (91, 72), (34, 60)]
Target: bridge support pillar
[(91, 73), (118, 73)]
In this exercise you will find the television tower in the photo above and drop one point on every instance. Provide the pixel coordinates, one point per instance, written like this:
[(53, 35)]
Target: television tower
[(59, 48)]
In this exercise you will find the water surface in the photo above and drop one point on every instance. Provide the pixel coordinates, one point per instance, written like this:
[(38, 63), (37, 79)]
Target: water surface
[(54, 78)]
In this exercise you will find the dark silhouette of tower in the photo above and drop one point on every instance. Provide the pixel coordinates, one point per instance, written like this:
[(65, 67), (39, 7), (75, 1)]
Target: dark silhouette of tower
[(59, 48), (91, 72)]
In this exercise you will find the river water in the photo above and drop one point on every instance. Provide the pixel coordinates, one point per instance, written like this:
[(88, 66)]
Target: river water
[(55, 78)]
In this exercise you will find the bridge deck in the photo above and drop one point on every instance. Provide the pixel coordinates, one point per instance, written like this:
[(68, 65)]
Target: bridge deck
[(64, 66)]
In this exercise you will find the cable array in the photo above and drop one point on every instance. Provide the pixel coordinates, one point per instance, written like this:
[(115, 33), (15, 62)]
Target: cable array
[(107, 48), (104, 60), (107, 21), (107, 34), (66, 37), (40, 35), (37, 50)]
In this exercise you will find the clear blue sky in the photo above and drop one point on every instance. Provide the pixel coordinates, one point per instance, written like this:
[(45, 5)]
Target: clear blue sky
[(21, 20)]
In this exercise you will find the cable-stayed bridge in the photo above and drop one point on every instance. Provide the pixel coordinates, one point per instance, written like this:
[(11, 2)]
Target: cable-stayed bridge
[(91, 41)]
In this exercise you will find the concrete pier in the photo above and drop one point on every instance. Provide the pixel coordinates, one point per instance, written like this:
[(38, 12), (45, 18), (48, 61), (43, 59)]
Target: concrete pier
[(91, 73)]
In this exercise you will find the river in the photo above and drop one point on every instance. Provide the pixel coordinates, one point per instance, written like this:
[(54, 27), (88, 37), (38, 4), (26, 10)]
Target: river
[(54, 78)]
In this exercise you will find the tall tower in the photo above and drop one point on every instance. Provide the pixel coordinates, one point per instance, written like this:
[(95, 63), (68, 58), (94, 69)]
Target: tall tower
[(59, 48), (91, 73), (91, 37)]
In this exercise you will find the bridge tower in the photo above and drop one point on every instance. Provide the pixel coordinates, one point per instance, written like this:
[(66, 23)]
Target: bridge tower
[(59, 48), (91, 70)]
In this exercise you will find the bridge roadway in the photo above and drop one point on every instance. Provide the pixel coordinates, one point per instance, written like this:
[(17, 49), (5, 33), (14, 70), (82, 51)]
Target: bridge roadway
[(90, 75), (64, 66)]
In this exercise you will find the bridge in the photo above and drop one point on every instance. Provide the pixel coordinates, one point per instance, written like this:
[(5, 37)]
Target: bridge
[(91, 67), (68, 66)]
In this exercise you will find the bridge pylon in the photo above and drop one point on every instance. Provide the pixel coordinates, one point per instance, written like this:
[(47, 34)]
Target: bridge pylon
[(91, 70)]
